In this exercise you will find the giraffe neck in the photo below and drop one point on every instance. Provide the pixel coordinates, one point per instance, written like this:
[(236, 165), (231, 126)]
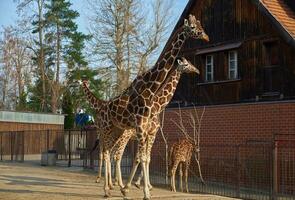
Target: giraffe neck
[(154, 78), (165, 94), (93, 100)]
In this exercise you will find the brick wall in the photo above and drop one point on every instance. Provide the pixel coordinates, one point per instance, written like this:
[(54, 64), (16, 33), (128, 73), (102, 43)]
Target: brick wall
[(237, 123), (231, 148)]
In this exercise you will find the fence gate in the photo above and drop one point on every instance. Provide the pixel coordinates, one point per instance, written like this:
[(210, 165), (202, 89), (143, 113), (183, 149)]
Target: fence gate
[(12, 146)]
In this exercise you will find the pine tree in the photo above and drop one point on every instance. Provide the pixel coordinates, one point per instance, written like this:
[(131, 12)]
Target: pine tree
[(67, 42)]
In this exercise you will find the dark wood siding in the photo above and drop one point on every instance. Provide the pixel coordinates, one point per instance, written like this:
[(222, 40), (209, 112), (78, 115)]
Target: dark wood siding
[(231, 21)]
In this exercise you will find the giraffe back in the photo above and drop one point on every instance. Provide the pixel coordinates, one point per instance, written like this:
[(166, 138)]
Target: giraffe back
[(181, 151)]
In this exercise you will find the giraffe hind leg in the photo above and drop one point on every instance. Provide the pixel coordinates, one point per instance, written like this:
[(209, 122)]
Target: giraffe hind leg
[(186, 176), (180, 177)]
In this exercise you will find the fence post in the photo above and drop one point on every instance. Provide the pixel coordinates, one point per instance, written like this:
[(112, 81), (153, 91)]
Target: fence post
[(23, 149), (69, 143), (47, 140), (275, 171), (85, 151), (11, 147), (1, 146), (238, 171)]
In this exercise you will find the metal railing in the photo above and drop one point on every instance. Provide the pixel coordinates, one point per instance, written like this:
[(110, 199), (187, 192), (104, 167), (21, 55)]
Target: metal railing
[(253, 170)]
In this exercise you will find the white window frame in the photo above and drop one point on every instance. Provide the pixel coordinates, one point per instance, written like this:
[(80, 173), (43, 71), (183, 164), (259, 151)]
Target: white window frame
[(211, 65), (233, 68)]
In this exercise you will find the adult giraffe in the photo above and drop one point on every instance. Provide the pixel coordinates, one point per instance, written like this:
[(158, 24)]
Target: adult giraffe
[(133, 108), (163, 97)]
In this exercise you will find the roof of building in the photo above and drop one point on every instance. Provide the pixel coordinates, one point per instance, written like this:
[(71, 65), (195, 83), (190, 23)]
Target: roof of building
[(33, 118), (282, 13), (278, 11)]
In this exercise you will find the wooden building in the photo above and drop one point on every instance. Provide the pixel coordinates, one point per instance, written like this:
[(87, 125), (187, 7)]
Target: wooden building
[(250, 56), (27, 121)]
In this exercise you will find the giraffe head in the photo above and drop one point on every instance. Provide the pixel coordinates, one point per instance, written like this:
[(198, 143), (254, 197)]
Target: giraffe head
[(185, 66), (194, 29)]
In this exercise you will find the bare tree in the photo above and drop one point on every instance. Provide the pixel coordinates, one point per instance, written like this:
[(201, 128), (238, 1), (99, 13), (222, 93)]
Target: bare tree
[(6, 68), (16, 65), (37, 8), (194, 122), (126, 34), (165, 139)]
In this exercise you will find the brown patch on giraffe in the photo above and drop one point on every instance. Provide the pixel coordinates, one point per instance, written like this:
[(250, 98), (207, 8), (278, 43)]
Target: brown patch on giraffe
[(167, 55), (161, 65), (130, 108), (161, 77), (146, 93), (120, 110), (124, 120), (119, 117), (147, 77), (154, 86), (166, 92), (154, 77), (124, 98), (162, 100), (126, 113), (170, 61)]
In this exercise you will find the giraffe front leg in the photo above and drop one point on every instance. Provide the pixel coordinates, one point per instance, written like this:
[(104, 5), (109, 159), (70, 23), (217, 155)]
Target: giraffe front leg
[(116, 182), (110, 174), (151, 140), (136, 162), (100, 160), (118, 173), (146, 190), (143, 162), (106, 175), (148, 172), (138, 181)]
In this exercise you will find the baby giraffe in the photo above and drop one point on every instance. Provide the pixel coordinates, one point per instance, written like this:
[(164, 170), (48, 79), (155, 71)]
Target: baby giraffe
[(180, 154)]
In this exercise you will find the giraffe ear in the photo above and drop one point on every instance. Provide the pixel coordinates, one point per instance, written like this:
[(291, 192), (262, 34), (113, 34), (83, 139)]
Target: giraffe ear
[(185, 22), (179, 61)]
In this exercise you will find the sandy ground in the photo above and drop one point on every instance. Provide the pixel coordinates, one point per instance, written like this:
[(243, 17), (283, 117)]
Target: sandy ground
[(23, 181)]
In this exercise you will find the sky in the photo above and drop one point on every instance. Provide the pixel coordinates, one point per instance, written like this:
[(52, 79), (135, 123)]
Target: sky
[(8, 12)]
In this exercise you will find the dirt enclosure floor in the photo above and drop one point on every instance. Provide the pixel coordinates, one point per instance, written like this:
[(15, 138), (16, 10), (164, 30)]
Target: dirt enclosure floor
[(23, 181)]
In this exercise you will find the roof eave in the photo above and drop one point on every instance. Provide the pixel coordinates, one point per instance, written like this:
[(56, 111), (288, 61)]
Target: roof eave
[(282, 31)]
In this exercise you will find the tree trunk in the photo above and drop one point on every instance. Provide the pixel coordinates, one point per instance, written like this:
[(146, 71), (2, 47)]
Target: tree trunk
[(55, 83), (41, 61), (54, 96)]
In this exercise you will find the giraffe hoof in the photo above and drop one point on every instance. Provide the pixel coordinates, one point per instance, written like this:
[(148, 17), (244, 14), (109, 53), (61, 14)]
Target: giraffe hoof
[(97, 180), (107, 194), (111, 187), (137, 185), (121, 186), (150, 187), (124, 191), (146, 198)]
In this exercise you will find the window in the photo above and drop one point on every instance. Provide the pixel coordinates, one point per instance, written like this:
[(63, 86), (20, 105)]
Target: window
[(209, 68), (271, 53), (233, 65)]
